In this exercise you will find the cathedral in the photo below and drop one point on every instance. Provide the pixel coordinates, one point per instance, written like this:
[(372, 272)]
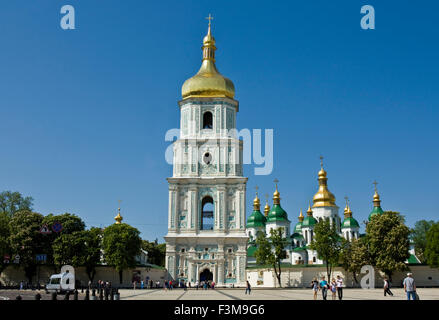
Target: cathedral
[(206, 238), (298, 249)]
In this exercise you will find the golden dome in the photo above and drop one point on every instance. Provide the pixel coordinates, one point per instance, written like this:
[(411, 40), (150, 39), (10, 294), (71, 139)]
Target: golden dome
[(276, 195), (266, 209), (347, 210), (301, 216), (208, 82), (323, 197), (256, 203), (309, 211), (118, 218)]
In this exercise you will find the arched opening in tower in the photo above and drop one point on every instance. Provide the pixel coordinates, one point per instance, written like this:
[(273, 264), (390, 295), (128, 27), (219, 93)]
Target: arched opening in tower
[(207, 120), (207, 213)]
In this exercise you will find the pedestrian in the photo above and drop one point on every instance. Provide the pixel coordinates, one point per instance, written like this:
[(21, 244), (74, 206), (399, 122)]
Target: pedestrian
[(387, 287), (248, 288), (324, 287), (134, 285), (333, 288), (141, 284), (196, 284), (339, 282), (315, 287), (213, 284), (410, 286), (89, 285), (21, 285)]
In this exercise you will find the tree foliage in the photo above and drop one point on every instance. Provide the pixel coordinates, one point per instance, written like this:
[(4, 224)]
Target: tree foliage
[(92, 255), (69, 249), (354, 255), (419, 236), (26, 240), (156, 252), (327, 244), (432, 246), (388, 242), (11, 202), (121, 244), (272, 250), (5, 248), (71, 223)]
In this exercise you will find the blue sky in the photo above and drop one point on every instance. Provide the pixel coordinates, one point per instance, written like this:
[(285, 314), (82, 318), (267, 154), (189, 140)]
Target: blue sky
[(84, 112)]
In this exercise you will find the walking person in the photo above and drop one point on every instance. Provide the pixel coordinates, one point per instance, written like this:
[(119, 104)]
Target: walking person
[(315, 287), (196, 285), (387, 287), (324, 288), (410, 286), (339, 282), (333, 289), (248, 288)]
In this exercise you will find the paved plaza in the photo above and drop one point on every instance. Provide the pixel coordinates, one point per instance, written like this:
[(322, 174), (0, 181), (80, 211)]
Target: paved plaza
[(269, 294), (235, 294)]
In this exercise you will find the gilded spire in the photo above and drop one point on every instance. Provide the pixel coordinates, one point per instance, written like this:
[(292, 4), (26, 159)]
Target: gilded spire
[(347, 210), (256, 201), (376, 196), (301, 217), (267, 206), (323, 197), (118, 218), (276, 194), (309, 211), (208, 82)]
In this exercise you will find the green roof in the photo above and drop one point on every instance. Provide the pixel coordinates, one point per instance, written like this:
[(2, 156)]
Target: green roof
[(299, 249), (375, 211), (251, 251), (350, 223), (256, 219), (277, 214), (413, 260), (297, 235), (309, 221), (298, 227)]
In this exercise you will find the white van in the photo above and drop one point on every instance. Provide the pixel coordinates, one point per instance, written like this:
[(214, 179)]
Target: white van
[(62, 282)]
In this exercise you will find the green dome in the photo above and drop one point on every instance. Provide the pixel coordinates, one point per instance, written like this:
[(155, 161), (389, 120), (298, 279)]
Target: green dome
[(350, 223), (297, 236), (277, 214), (375, 211), (298, 227), (251, 251), (256, 220), (309, 221)]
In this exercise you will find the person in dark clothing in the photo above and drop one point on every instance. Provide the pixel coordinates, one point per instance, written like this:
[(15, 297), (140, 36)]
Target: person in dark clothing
[(387, 287), (248, 288)]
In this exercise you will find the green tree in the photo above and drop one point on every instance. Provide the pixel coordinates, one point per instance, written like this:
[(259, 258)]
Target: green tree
[(354, 255), (11, 202), (432, 246), (272, 250), (70, 223), (5, 248), (388, 242), (327, 243), (156, 252), (26, 240), (93, 249), (121, 244), (419, 236), (69, 249)]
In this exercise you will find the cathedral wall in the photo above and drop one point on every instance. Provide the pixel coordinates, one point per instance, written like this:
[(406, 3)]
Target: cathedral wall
[(301, 277), (12, 275)]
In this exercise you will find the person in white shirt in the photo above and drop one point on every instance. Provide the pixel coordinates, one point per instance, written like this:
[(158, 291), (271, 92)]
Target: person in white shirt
[(339, 283)]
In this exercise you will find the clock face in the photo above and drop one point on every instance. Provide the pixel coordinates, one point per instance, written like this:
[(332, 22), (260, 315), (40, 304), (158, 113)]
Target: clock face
[(207, 158)]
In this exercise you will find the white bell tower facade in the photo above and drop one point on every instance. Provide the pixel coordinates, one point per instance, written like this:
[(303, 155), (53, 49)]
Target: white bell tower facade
[(206, 238)]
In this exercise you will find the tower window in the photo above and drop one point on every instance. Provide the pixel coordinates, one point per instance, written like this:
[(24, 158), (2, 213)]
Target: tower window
[(207, 213), (207, 158), (207, 120)]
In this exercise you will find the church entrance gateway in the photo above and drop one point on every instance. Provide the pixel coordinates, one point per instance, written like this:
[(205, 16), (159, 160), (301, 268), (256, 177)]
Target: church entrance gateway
[(206, 275)]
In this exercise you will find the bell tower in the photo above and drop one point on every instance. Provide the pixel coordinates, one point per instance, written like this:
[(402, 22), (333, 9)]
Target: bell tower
[(206, 237)]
